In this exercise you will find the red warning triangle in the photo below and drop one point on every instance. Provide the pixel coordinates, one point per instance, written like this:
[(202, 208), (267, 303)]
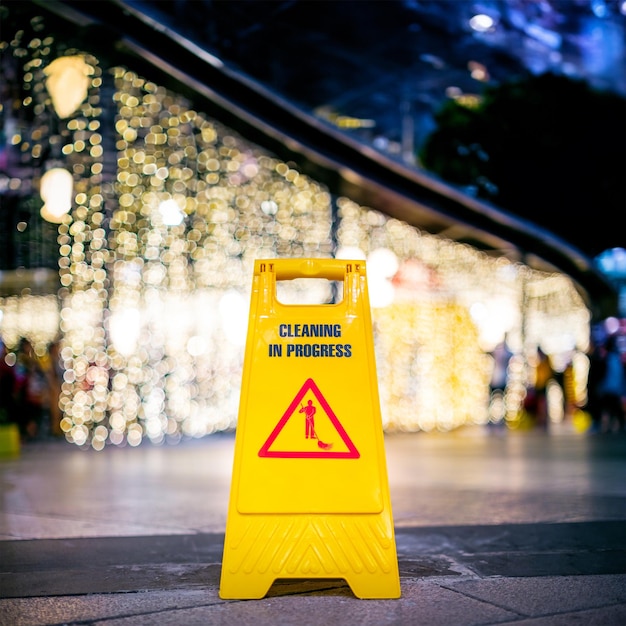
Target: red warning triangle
[(327, 448)]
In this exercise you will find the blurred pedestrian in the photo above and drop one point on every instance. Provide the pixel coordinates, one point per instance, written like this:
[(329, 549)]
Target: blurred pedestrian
[(595, 374), (31, 391), (500, 373), (54, 374), (7, 388), (501, 357), (544, 375), (612, 387), (570, 391)]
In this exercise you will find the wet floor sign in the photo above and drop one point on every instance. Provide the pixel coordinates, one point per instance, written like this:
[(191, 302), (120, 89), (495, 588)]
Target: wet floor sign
[(309, 495)]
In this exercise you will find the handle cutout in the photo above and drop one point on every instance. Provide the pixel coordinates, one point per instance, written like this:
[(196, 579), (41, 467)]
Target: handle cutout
[(309, 291), (310, 281)]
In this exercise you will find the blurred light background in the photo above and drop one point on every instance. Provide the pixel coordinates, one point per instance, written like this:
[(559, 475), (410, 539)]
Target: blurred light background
[(135, 220)]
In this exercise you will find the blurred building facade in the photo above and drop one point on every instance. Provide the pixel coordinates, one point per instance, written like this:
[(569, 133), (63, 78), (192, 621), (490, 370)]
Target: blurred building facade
[(143, 266)]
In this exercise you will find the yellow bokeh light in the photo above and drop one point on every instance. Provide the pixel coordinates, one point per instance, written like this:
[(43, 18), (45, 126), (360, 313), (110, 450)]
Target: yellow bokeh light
[(155, 268)]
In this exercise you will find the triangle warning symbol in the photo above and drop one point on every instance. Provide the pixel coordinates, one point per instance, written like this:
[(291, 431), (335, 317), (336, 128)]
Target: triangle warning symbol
[(311, 433)]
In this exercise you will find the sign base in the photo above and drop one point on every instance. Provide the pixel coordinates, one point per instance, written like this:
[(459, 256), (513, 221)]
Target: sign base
[(359, 549)]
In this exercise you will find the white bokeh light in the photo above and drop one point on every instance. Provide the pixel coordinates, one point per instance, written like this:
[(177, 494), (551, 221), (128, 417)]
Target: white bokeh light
[(124, 328), (171, 213)]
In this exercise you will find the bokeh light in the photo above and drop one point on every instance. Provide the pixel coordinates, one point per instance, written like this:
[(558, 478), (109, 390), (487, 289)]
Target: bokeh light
[(156, 260)]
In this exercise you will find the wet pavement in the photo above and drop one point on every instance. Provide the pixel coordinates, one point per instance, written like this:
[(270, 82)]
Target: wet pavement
[(492, 527)]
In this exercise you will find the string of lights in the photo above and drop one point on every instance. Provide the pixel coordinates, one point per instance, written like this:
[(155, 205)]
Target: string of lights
[(155, 264)]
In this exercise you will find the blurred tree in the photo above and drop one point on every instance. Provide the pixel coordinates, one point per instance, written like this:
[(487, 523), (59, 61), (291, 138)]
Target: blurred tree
[(547, 148)]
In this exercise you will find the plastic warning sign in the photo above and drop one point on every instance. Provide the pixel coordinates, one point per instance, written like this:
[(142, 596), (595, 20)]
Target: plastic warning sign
[(309, 466)]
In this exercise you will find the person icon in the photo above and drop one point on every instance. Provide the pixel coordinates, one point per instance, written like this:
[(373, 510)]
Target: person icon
[(309, 421)]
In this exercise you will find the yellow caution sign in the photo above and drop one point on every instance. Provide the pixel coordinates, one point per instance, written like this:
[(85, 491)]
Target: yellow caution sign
[(309, 495)]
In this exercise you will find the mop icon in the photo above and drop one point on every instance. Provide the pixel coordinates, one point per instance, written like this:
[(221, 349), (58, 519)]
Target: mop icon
[(309, 425)]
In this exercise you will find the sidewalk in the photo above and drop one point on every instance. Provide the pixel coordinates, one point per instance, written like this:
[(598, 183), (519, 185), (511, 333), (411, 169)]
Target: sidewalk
[(512, 528)]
